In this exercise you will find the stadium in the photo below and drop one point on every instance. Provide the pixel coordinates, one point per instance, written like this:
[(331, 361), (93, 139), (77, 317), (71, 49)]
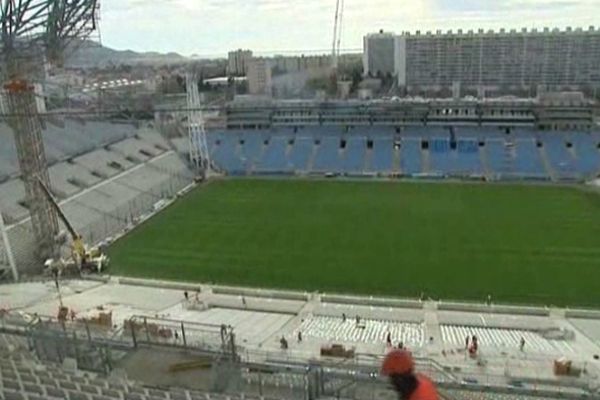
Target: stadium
[(332, 237), (258, 248)]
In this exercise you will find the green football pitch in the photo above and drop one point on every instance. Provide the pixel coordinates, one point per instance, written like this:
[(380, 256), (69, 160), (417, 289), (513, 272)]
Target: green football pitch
[(524, 244)]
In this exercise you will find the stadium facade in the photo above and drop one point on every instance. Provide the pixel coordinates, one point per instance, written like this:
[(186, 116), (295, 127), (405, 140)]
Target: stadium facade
[(558, 111), (488, 61)]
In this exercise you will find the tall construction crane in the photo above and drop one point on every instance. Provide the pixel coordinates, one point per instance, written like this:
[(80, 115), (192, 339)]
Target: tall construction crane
[(32, 31), (337, 34)]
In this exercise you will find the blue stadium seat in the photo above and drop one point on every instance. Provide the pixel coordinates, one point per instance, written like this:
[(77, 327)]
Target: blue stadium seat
[(587, 153), (354, 155), (561, 160), (528, 161), (226, 155), (467, 160), (327, 158), (411, 157), (382, 158), (275, 157), (251, 149), (301, 152), (440, 156), (500, 157), (510, 156)]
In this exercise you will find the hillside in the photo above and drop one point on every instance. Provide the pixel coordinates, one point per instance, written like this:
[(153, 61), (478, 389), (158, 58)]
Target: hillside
[(91, 54)]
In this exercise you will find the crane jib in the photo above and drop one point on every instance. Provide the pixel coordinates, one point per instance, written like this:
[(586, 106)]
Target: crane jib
[(60, 212)]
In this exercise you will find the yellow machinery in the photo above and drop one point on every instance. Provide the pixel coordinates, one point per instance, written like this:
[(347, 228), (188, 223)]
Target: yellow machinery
[(86, 260)]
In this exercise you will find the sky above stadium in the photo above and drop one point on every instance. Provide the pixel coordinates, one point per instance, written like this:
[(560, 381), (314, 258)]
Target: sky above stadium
[(210, 28)]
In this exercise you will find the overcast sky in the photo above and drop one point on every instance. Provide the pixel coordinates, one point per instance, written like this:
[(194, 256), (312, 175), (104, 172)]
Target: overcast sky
[(212, 27)]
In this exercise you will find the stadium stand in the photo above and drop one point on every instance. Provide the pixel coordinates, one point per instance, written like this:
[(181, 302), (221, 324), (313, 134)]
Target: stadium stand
[(374, 331), (354, 155), (275, 156), (587, 154), (411, 157), (26, 378), (467, 159), (106, 175), (133, 168), (23, 376), (562, 160), (12, 200), (68, 179), (382, 156), (77, 137), (503, 338), (471, 395), (300, 153), (134, 150), (251, 150), (226, 155), (327, 158), (415, 151), (527, 159), (103, 163), (440, 155), (500, 157)]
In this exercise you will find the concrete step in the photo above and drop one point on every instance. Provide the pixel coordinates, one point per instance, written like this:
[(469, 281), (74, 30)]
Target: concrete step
[(396, 164), (546, 163), (311, 159), (368, 159), (485, 162), (425, 161)]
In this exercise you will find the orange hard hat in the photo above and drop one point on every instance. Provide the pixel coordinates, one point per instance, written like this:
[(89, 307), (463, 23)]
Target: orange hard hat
[(397, 362)]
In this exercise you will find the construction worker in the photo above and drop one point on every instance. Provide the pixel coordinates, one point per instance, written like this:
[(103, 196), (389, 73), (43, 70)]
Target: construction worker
[(522, 344), (283, 343), (399, 366), (474, 347)]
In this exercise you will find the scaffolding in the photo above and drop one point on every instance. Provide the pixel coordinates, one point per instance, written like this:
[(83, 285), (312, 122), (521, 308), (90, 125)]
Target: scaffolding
[(34, 31), (25, 124), (6, 254)]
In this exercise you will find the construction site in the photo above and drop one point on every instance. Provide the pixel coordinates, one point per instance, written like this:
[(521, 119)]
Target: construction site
[(73, 188)]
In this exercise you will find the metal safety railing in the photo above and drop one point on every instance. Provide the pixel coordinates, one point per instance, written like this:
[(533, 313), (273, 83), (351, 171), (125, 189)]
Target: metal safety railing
[(282, 373)]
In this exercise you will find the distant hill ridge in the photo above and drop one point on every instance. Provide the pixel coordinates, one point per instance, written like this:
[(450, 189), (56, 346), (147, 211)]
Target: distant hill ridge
[(92, 54)]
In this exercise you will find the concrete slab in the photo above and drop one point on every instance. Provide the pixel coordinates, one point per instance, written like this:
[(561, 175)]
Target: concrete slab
[(387, 313), (143, 299), (260, 322), (506, 340), (250, 327), (589, 327), (31, 294)]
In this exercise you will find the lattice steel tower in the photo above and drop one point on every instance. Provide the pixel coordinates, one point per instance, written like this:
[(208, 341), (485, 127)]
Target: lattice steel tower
[(31, 31), (198, 147)]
